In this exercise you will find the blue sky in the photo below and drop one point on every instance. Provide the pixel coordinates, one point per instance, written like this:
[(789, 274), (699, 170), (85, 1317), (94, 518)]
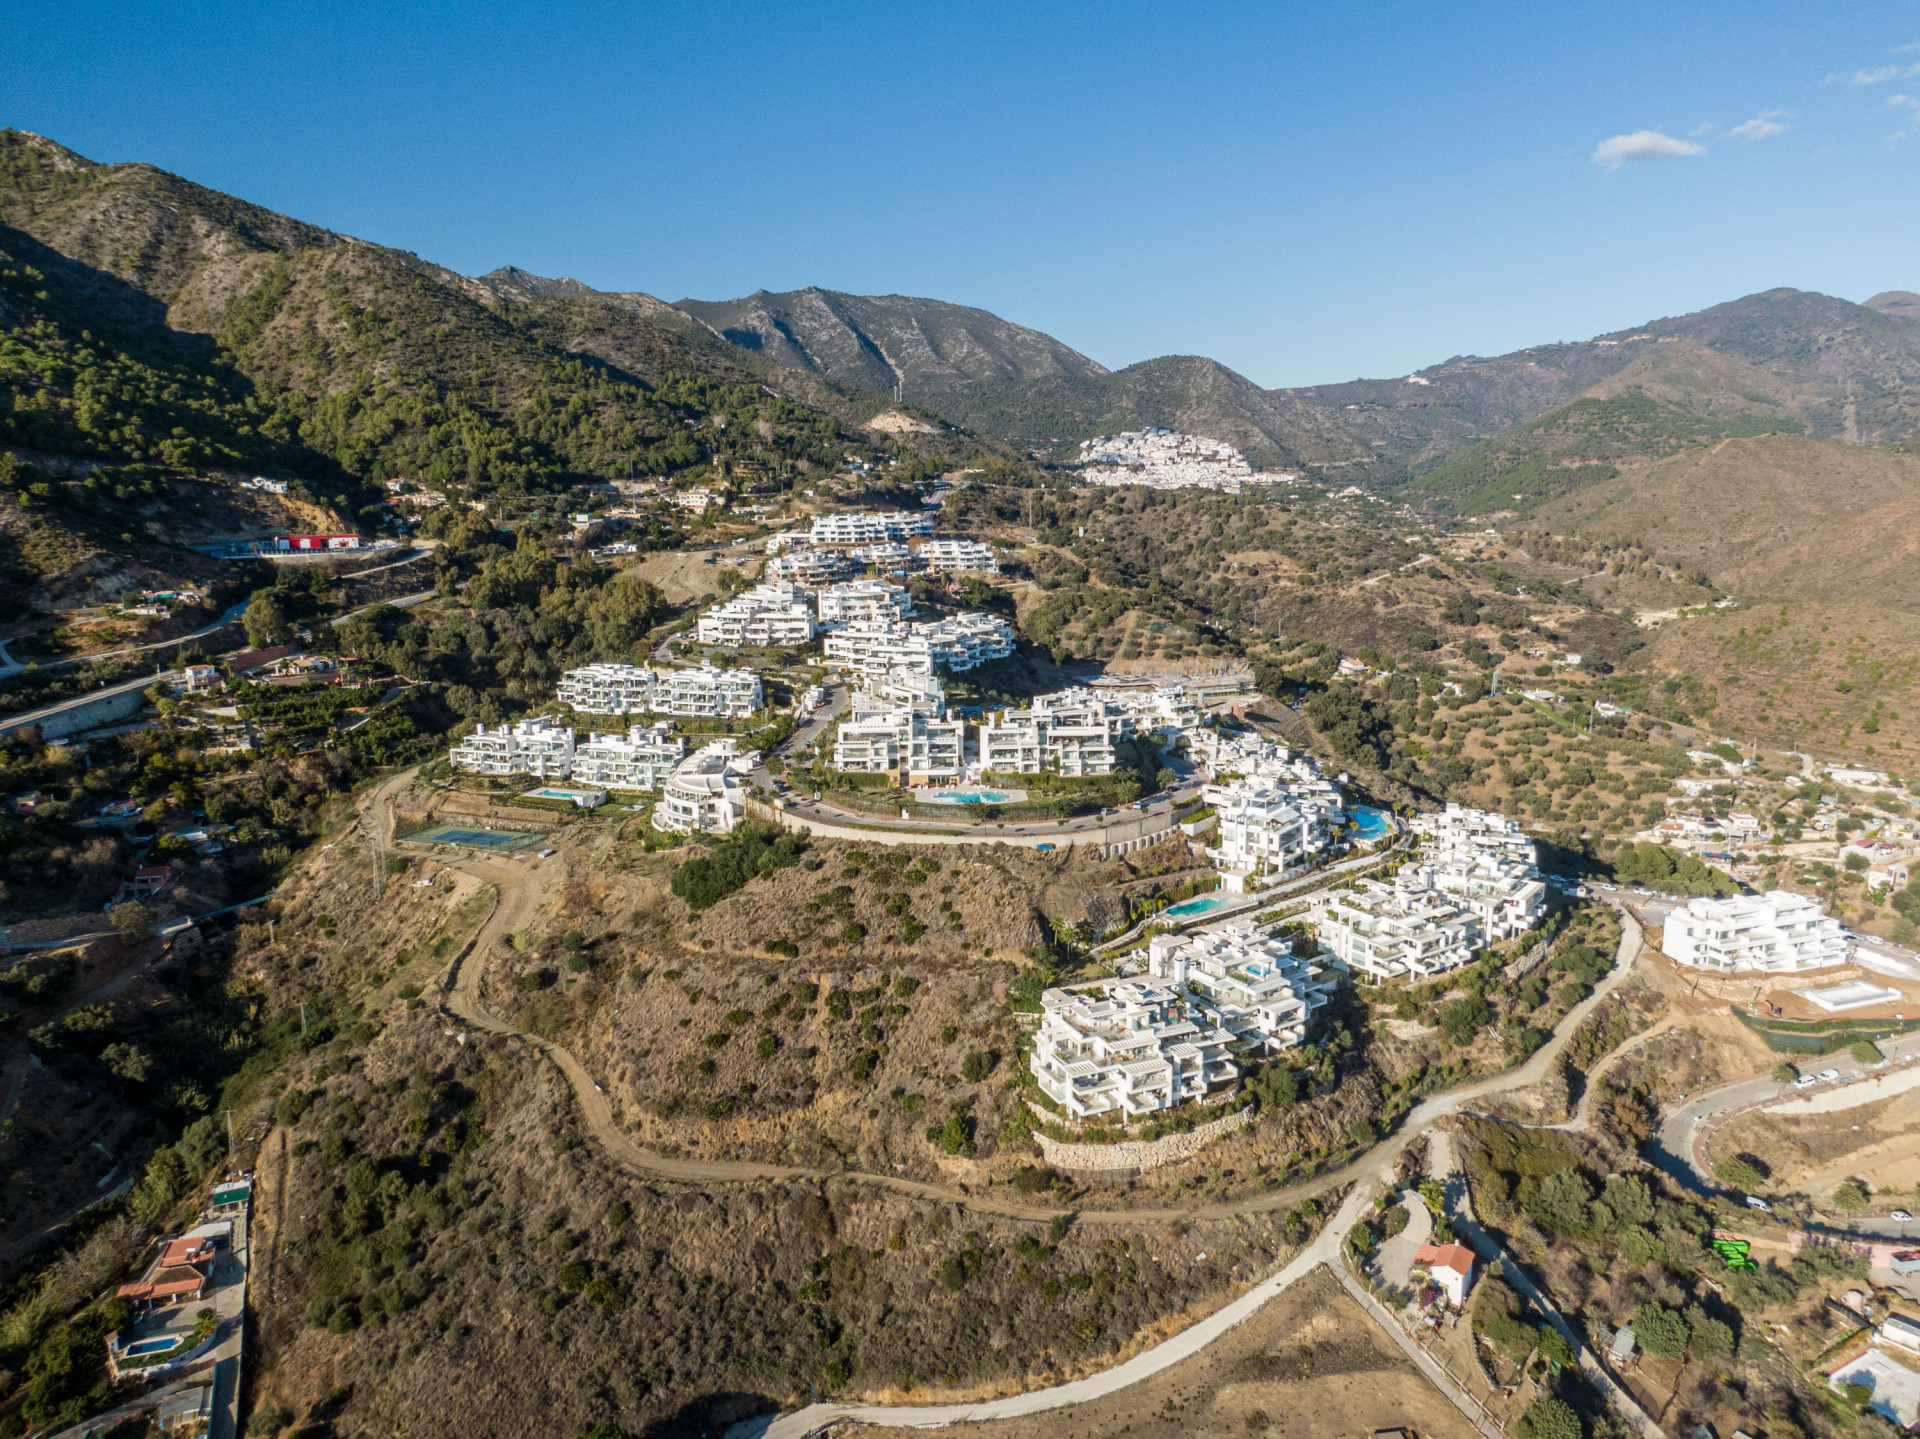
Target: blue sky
[(1305, 192)]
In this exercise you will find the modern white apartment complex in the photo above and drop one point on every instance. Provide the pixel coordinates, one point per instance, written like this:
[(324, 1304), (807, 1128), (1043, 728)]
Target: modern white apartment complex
[(705, 793), (869, 528), (1167, 460), (1261, 830), (1394, 930), (962, 642), (957, 556), (868, 601), (808, 567), (769, 614), (1072, 732), (883, 738), (1486, 862), (531, 747), (641, 759), (1136, 1046), (1773, 933), (704, 693)]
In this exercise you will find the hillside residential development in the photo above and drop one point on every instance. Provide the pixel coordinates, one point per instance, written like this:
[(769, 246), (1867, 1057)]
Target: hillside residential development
[(1486, 863), (1123, 1048), (641, 759), (870, 601), (1773, 933), (961, 642), (1071, 732), (531, 747), (1168, 460), (869, 528), (780, 613), (706, 793), (1403, 929), (703, 693), (957, 556)]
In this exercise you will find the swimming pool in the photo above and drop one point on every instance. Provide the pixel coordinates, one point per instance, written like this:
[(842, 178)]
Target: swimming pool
[(968, 796), (159, 1344), (582, 798), (1371, 823), (1205, 904)]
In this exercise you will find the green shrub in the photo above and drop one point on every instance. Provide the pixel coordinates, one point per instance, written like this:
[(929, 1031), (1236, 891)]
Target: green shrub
[(751, 850), (976, 1066)]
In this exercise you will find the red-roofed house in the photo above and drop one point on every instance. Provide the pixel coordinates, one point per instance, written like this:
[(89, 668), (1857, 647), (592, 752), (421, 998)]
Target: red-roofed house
[(1450, 1266), (182, 1272), (148, 879)]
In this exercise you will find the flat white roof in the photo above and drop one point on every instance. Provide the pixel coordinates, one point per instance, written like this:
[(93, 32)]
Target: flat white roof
[(1854, 994)]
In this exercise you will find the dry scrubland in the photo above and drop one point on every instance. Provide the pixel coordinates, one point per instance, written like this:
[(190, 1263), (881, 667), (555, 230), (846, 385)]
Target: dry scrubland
[(440, 1242), (1310, 1365), (1812, 1155)]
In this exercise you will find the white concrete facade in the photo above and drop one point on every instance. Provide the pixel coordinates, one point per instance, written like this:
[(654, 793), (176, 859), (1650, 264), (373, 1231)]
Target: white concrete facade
[(706, 793), (863, 601), (1391, 931), (641, 759), (1773, 933), (962, 642), (957, 557), (1071, 732), (869, 527), (770, 614), (532, 747)]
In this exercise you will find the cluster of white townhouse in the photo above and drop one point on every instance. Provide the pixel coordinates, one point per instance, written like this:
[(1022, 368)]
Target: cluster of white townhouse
[(1403, 929), (898, 722), (1773, 933), (1072, 733), (1124, 1048), (780, 613), (707, 791), (703, 693), (1486, 862), (961, 642)]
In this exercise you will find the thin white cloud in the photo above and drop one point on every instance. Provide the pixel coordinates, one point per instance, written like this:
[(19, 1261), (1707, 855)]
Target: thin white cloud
[(1766, 123), (1878, 74), (1906, 49), (1621, 150)]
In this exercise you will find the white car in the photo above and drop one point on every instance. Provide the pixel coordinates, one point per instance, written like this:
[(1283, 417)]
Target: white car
[(1829, 1075), (1806, 1081), (1754, 1201), (1901, 1216)]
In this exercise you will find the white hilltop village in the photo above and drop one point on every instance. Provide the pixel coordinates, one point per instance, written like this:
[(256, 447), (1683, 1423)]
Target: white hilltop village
[(1164, 459)]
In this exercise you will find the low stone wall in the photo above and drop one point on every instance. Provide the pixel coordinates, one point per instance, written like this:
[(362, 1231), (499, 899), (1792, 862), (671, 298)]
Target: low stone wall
[(1138, 1154)]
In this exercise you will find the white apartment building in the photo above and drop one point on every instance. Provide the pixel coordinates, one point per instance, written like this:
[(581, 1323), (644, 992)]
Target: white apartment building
[(770, 614), (1136, 1046), (1261, 830), (707, 693), (641, 759), (1484, 861), (532, 747), (1072, 732), (703, 693), (891, 555), (1395, 930), (962, 642), (883, 738), (869, 528), (1773, 933), (706, 794), (808, 567), (863, 601), (957, 556), (608, 689)]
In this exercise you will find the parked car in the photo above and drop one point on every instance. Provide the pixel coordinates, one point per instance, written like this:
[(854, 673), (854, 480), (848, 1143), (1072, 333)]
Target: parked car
[(1829, 1075), (1754, 1201), (1901, 1216), (1806, 1081)]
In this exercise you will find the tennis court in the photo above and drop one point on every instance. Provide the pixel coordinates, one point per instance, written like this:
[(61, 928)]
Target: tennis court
[(493, 839)]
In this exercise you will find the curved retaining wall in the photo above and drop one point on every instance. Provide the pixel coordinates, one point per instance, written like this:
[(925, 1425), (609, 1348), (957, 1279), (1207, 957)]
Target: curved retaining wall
[(1114, 839), (1137, 1154)]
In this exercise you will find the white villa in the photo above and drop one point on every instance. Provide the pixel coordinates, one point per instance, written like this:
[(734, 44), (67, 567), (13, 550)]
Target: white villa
[(532, 747), (957, 556), (641, 759), (867, 601), (769, 614), (1142, 1045), (1072, 732), (869, 528), (1407, 928), (1774, 933), (705, 793)]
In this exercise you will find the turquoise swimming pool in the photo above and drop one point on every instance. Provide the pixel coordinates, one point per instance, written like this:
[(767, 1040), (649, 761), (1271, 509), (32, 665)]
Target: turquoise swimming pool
[(968, 796), (1204, 904), (1371, 823), (159, 1344)]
